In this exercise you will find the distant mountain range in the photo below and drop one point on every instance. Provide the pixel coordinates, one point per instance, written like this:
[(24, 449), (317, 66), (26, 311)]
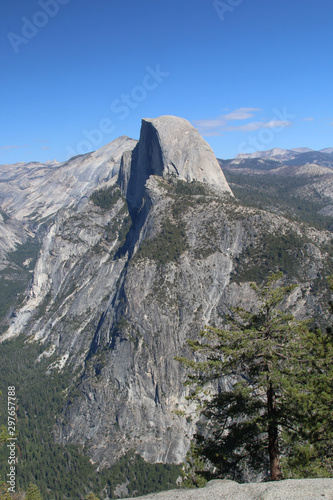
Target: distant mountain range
[(299, 154), (296, 182)]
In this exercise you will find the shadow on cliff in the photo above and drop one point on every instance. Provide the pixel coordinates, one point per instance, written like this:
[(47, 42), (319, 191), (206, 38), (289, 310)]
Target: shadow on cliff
[(133, 175)]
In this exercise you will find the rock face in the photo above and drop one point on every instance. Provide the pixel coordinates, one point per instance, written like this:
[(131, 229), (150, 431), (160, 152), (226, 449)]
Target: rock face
[(169, 146), (118, 287), (297, 489), (34, 191)]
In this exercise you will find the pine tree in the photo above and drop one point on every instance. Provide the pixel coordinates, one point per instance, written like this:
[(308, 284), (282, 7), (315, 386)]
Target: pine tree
[(3, 431), (193, 472), (91, 496), (272, 381), (4, 494), (310, 453), (33, 493)]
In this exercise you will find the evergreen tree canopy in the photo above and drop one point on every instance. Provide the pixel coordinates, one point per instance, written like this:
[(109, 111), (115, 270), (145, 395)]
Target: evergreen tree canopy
[(4, 494), (33, 493), (279, 387), (91, 496)]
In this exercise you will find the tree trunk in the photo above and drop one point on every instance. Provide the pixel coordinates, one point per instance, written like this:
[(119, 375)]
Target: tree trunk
[(273, 437)]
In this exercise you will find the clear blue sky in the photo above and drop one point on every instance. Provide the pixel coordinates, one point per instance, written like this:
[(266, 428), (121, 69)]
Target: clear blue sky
[(249, 74)]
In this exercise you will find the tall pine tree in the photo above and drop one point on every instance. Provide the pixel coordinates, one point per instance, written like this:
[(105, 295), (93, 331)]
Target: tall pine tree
[(272, 363)]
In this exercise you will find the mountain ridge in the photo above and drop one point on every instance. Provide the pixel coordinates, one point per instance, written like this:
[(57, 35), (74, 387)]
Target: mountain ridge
[(123, 278), (283, 153)]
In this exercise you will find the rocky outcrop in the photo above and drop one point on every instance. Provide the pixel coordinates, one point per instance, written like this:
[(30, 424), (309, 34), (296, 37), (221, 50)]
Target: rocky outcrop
[(296, 489), (169, 145)]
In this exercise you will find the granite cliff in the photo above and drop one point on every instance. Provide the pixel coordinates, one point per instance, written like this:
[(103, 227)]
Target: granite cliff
[(127, 273)]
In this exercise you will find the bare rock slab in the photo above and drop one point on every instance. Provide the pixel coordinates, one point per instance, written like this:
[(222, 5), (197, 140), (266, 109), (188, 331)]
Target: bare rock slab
[(290, 489)]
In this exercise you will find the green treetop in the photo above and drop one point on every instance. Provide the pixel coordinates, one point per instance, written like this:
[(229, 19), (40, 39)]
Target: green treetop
[(33, 493), (272, 373)]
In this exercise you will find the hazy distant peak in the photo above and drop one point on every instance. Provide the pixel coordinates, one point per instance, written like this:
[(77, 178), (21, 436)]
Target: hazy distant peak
[(326, 150), (301, 150), (283, 154), (264, 154), (51, 163)]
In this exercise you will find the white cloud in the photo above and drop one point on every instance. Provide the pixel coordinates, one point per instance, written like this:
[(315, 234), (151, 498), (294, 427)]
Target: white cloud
[(212, 133), (5, 148), (216, 126), (211, 126), (252, 127), (13, 146), (214, 122), (308, 119), (241, 114)]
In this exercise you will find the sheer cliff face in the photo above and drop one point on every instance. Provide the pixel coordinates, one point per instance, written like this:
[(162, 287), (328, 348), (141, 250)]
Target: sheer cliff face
[(116, 291), (169, 146)]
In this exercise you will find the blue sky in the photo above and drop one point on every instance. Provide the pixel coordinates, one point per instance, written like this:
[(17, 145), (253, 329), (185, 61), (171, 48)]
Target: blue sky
[(249, 74)]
